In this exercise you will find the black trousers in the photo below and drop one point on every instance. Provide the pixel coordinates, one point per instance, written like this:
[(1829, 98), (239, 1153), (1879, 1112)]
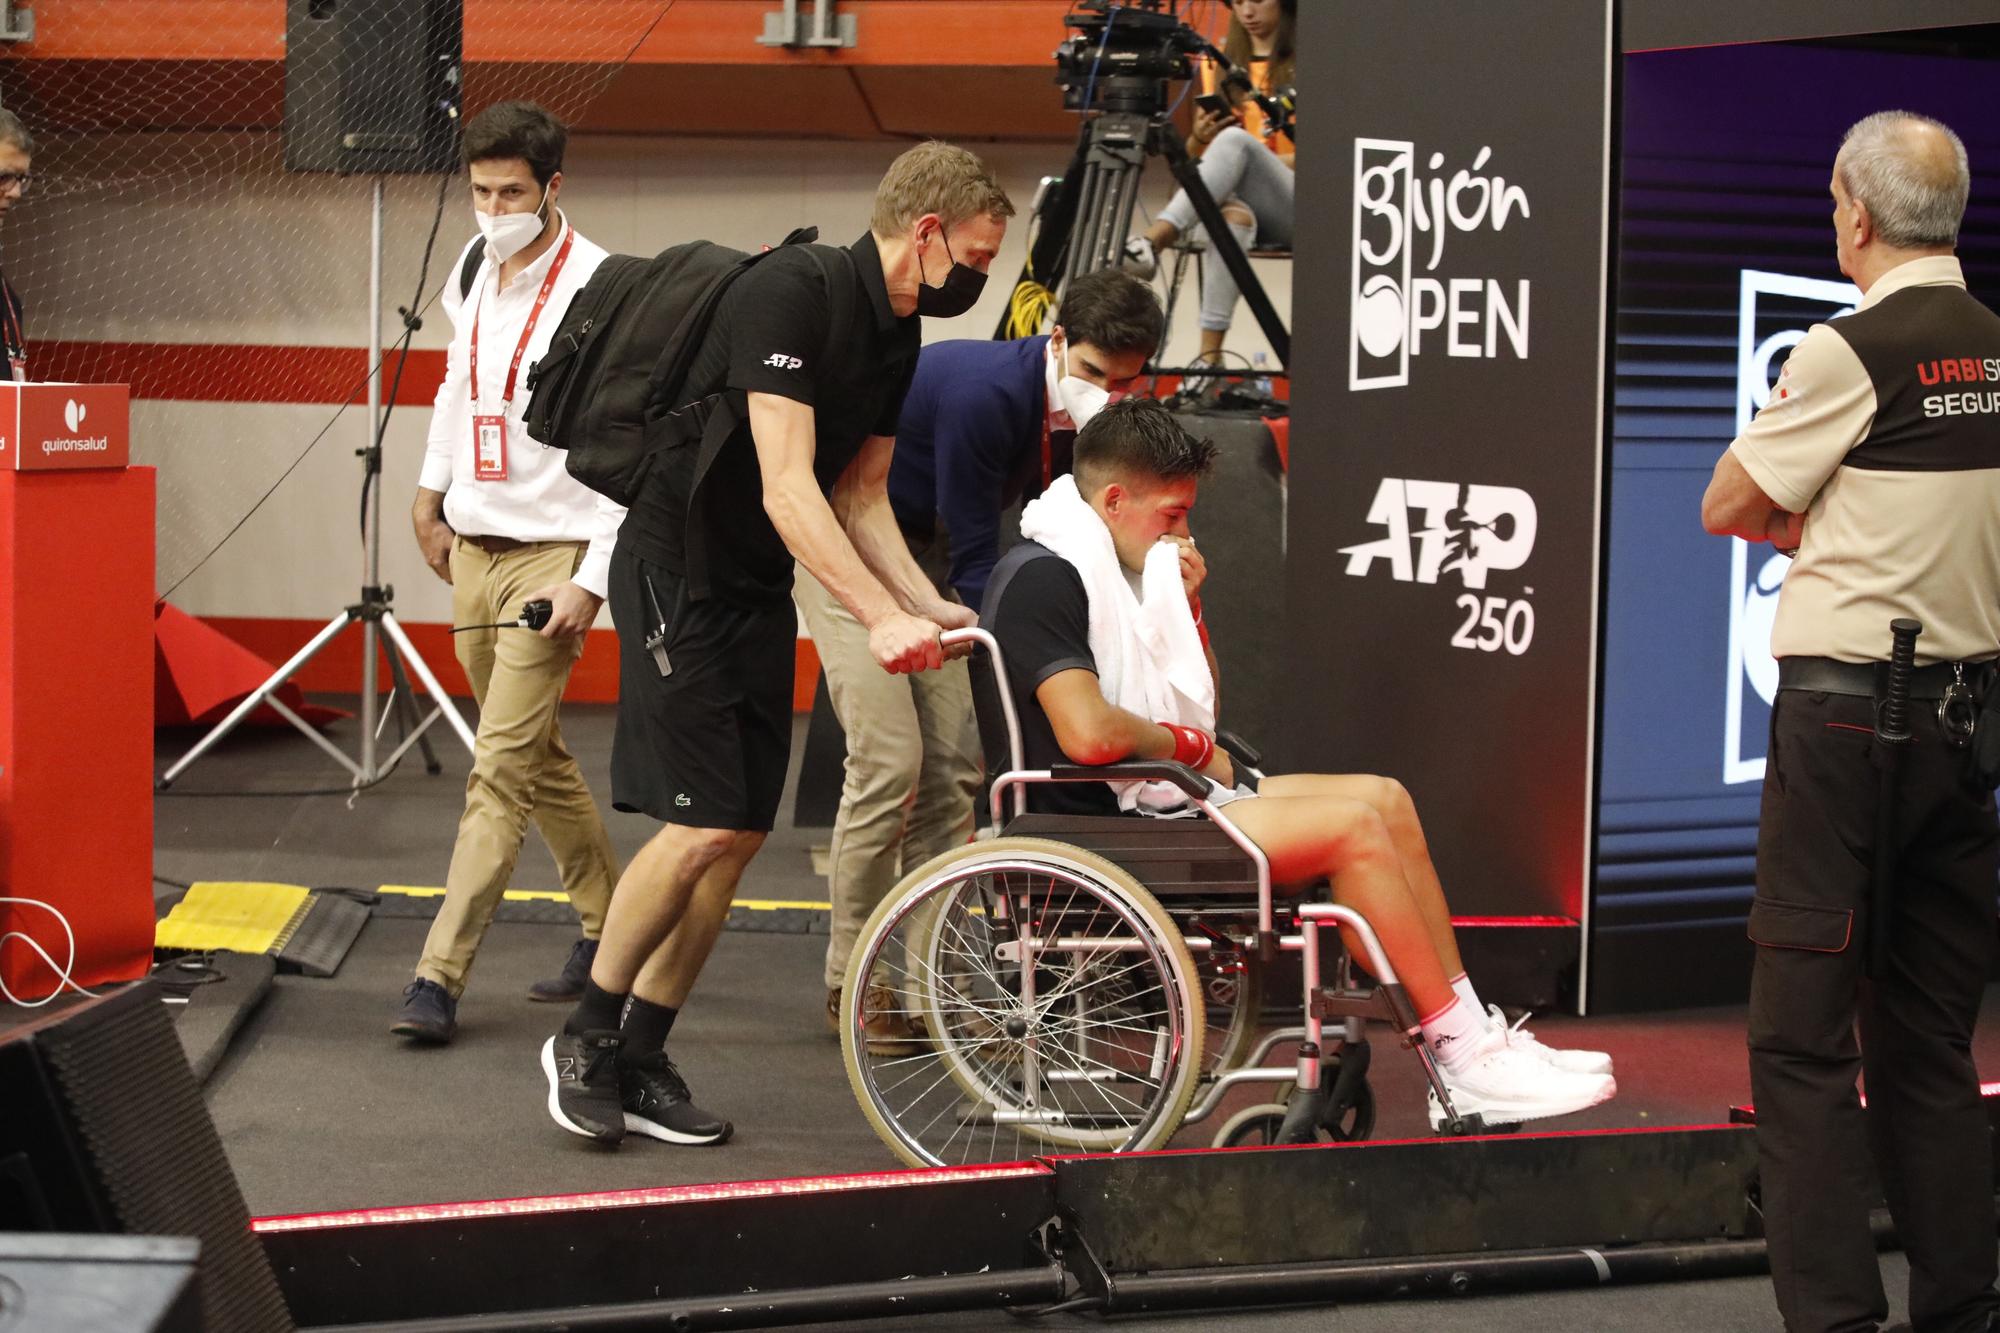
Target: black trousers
[(1924, 1126)]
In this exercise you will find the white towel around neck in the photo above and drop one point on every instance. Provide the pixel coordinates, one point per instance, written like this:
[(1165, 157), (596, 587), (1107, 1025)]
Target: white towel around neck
[(1148, 652)]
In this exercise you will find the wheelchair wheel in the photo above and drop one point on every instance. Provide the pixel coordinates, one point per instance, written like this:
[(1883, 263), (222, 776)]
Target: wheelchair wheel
[(1260, 1124), (1252, 1127), (1232, 991), (1060, 1007)]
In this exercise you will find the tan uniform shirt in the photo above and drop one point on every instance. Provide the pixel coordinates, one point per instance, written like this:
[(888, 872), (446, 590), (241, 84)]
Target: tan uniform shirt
[(1879, 542)]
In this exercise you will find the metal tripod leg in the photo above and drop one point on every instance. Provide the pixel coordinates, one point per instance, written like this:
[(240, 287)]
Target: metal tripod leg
[(406, 712), (1114, 156), (394, 629), (1166, 141), (1089, 219), (267, 692)]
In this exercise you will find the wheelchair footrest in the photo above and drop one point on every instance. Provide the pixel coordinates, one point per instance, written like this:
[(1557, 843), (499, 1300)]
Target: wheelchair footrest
[(1329, 1004)]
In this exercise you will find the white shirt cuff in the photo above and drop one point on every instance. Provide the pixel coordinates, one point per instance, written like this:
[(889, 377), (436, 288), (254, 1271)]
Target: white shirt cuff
[(594, 574)]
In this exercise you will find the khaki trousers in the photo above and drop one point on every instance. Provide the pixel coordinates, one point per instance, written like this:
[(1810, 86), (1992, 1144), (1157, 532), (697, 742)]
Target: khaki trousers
[(520, 770), (913, 766)]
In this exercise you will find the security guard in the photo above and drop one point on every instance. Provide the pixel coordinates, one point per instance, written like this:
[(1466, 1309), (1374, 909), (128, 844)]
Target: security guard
[(1877, 460)]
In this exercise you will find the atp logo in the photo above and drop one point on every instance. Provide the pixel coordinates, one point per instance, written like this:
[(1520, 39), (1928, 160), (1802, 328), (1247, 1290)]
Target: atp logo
[(1434, 528), (783, 362), (1470, 531), (73, 415)]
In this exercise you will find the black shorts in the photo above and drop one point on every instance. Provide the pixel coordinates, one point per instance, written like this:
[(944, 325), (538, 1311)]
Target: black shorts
[(706, 745)]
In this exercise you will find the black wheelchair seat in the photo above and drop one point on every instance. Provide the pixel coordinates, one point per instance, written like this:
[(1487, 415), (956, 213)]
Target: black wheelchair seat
[(1173, 858)]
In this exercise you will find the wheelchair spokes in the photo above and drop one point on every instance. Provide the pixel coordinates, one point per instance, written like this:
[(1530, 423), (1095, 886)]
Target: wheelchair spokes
[(1058, 1005)]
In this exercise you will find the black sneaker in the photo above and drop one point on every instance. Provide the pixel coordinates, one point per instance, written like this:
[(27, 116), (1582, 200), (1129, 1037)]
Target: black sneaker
[(657, 1104), (583, 1084), (429, 1014), (568, 984)]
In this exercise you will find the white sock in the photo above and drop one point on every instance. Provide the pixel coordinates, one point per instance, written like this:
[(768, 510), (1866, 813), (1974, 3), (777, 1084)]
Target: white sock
[(1461, 986), (1453, 1031)]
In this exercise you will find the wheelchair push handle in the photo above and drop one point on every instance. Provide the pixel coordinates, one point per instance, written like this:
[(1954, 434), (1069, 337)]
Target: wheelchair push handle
[(952, 638)]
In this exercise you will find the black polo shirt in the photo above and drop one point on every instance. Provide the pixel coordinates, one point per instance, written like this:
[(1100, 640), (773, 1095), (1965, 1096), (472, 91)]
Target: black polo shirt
[(770, 335), (1037, 610)]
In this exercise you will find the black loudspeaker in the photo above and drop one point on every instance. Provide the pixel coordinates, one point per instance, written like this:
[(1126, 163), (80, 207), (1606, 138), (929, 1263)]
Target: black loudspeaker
[(88, 1284), (373, 86), (104, 1130)]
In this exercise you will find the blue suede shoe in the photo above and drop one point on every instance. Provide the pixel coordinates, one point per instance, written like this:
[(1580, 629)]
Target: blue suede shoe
[(567, 986), (429, 1014)]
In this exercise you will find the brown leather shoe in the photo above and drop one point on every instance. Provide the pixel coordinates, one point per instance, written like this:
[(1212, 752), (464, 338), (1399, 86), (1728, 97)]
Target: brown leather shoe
[(889, 1031)]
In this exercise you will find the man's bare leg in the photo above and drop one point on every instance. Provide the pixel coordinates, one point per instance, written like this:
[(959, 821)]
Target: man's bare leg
[(1348, 842), (1387, 798), (651, 897), (668, 976)]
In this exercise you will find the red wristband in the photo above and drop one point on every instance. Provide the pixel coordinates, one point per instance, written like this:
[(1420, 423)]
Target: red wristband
[(1191, 747)]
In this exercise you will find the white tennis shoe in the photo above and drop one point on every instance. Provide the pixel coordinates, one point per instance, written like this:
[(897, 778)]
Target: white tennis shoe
[(1570, 1062), (1505, 1084)]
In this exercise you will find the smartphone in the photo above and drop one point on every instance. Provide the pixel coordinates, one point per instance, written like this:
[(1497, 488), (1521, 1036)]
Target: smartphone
[(1214, 103)]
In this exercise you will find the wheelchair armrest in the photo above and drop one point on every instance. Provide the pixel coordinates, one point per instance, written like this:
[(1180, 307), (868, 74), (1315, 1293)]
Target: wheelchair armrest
[(1242, 751), (1138, 770)]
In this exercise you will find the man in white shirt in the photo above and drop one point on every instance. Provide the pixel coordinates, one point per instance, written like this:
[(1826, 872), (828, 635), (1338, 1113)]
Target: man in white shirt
[(499, 518)]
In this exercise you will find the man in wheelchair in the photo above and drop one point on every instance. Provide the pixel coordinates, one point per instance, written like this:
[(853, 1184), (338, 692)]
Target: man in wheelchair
[(1098, 618)]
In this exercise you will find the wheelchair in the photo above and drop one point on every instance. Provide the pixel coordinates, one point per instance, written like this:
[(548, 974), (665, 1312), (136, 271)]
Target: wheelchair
[(1094, 983)]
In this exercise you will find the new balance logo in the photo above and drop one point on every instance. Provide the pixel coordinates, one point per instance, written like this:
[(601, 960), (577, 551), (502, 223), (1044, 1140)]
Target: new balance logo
[(783, 362)]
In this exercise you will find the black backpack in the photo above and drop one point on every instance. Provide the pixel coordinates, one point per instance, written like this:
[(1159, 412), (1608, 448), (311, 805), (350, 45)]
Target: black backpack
[(616, 367), (470, 268)]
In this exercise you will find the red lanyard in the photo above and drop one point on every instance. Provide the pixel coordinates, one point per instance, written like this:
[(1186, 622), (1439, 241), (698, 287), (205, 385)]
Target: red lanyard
[(534, 317)]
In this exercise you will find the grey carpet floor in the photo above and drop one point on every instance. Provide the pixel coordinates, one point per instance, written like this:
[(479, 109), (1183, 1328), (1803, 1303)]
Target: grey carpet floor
[(320, 1108)]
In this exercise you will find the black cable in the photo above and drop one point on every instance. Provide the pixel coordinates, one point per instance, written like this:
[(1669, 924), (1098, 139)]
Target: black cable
[(361, 388), (371, 474), (411, 323), (349, 790), (375, 368)]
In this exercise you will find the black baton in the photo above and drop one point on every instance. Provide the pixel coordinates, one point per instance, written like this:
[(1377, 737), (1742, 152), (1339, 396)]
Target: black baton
[(1892, 733)]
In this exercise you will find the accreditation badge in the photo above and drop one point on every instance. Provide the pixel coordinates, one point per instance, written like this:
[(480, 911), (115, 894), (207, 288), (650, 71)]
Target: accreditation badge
[(489, 448)]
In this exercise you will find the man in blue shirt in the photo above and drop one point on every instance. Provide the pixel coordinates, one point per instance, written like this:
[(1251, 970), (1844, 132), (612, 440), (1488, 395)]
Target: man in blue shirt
[(983, 425)]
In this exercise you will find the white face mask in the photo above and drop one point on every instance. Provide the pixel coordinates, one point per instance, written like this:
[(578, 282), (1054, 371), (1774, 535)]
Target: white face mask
[(507, 234), (1070, 393)]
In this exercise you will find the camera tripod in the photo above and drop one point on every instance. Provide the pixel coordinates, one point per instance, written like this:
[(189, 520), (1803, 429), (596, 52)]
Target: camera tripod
[(1086, 219), (380, 631)]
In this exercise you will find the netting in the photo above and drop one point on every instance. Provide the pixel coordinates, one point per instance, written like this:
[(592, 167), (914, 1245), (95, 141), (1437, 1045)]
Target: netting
[(165, 244)]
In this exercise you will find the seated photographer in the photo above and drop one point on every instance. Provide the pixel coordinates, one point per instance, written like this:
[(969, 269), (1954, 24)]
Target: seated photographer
[(1098, 615), (984, 423), (1245, 162)]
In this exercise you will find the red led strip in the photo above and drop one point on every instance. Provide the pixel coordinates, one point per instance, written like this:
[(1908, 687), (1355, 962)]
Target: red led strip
[(557, 1203)]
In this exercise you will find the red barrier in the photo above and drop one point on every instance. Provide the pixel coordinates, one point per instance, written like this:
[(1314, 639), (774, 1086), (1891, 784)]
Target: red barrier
[(76, 725)]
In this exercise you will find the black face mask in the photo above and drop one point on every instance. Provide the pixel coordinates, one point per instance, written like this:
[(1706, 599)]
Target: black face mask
[(956, 294)]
